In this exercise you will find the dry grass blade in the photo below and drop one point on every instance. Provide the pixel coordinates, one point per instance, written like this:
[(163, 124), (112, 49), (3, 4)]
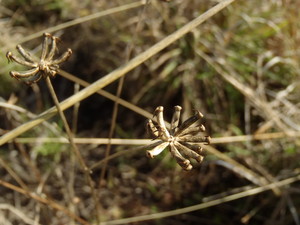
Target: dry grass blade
[(92, 141), (228, 198), (119, 72), (117, 141), (106, 94), (261, 136)]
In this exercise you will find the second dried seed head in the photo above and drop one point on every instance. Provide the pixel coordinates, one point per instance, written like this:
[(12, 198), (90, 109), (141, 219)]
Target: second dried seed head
[(184, 140)]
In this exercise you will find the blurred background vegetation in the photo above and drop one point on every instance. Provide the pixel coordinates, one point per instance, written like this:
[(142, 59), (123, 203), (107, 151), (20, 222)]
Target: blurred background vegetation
[(240, 69)]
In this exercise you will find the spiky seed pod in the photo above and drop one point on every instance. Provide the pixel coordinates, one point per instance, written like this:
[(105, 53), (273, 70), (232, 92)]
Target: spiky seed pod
[(41, 68), (184, 141)]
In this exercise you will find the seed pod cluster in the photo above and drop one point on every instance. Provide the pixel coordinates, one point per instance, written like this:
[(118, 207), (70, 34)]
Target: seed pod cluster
[(184, 140)]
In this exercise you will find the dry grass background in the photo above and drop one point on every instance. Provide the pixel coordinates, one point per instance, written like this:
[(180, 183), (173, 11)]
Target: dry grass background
[(240, 68)]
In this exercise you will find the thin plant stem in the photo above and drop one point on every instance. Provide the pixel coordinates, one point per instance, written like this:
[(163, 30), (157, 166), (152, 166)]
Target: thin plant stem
[(71, 181), (74, 146), (93, 141), (75, 111), (118, 94), (66, 125), (13, 174), (106, 94), (119, 141), (111, 130)]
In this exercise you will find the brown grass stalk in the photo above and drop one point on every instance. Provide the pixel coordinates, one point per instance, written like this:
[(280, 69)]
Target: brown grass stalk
[(118, 141), (74, 147), (129, 49)]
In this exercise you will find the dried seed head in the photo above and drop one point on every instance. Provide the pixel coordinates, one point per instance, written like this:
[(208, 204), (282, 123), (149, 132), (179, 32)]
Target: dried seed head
[(41, 68), (185, 141)]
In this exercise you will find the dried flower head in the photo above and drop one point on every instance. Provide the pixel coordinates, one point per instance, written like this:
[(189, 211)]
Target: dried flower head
[(43, 67), (185, 140)]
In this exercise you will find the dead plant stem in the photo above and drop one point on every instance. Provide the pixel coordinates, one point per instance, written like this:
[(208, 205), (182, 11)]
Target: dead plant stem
[(66, 125), (74, 146), (118, 94), (118, 141), (71, 181), (106, 94), (13, 174)]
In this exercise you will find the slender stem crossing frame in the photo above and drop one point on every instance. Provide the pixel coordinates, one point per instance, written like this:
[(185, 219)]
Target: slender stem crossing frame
[(74, 147)]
